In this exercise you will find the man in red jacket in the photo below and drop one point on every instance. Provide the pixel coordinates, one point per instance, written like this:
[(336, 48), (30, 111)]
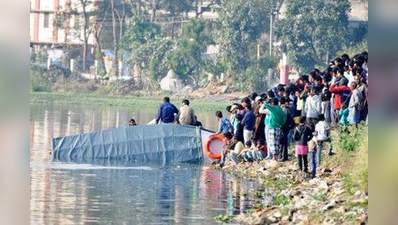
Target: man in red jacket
[(341, 94)]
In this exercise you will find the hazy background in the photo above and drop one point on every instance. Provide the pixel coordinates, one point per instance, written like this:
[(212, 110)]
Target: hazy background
[(14, 112)]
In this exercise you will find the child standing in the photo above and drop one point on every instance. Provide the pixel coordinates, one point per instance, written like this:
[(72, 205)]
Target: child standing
[(343, 113), (302, 135), (322, 134), (312, 145)]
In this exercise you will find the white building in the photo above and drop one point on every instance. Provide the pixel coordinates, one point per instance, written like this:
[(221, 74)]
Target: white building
[(57, 22)]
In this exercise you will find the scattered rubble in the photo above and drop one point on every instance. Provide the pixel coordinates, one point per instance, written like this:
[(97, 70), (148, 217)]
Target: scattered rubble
[(322, 200)]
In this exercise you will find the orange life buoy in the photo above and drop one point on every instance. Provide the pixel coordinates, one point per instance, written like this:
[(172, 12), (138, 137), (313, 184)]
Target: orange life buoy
[(207, 149)]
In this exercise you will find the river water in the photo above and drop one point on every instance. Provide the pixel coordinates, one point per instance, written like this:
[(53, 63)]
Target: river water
[(128, 193)]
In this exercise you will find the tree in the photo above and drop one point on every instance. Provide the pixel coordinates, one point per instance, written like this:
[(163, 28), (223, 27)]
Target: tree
[(312, 30), (115, 40), (146, 47), (200, 10), (84, 6), (241, 23), (175, 8), (137, 41), (102, 16), (154, 7), (187, 59)]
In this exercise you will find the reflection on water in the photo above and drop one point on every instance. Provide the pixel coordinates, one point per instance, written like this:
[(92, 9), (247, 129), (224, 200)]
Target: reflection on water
[(123, 193)]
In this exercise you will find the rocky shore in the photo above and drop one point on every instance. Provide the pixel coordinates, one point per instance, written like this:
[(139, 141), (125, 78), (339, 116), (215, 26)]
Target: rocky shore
[(299, 199)]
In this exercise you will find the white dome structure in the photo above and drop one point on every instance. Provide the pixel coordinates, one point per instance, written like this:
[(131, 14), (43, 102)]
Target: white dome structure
[(171, 82)]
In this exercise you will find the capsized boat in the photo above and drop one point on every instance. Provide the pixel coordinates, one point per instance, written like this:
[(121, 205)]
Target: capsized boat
[(162, 144)]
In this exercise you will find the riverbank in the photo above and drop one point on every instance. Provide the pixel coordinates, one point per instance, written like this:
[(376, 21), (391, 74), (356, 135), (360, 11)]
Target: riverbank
[(338, 195), (148, 101)]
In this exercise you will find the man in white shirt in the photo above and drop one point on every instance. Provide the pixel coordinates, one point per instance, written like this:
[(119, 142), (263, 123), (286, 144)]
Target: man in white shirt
[(313, 106)]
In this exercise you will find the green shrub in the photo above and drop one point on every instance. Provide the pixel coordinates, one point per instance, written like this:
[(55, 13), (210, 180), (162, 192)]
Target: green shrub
[(349, 138), (281, 199), (42, 80), (75, 84), (39, 82), (222, 218), (353, 50), (351, 145), (120, 88), (358, 176)]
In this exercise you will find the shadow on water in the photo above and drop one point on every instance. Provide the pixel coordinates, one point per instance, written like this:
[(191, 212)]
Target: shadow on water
[(126, 193)]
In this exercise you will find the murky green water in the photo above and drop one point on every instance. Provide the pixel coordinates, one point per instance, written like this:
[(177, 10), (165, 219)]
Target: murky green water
[(123, 193)]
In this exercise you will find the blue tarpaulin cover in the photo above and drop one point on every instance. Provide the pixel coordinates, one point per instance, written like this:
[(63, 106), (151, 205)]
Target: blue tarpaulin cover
[(162, 144)]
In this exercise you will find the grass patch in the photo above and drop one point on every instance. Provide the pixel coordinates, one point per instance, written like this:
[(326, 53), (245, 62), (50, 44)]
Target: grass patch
[(351, 157), (363, 204), (351, 218), (320, 197), (260, 205), (281, 199), (249, 211), (223, 218), (276, 183), (349, 138), (258, 194)]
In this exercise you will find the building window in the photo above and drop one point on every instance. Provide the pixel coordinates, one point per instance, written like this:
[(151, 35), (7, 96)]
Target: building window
[(46, 20)]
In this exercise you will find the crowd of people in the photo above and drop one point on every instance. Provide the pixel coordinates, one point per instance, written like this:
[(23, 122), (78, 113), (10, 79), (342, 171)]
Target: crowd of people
[(263, 126), (303, 112)]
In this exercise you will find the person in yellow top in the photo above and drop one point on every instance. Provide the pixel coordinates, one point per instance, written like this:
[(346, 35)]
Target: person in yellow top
[(232, 149)]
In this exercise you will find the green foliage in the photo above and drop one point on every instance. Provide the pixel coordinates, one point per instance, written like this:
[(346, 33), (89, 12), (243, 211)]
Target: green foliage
[(277, 183), (222, 218), (267, 63), (258, 194), (147, 48), (351, 148), (140, 32), (137, 39), (350, 138), (42, 80), (259, 205), (118, 88), (320, 197), (59, 80), (357, 34), (75, 84), (281, 199), (160, 59), (187, 59), (241, 23), (353, 50), (253, 79), (39, 57), (356, 178), (216, 67), (177, 7), (39, 82), (312, 30)]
